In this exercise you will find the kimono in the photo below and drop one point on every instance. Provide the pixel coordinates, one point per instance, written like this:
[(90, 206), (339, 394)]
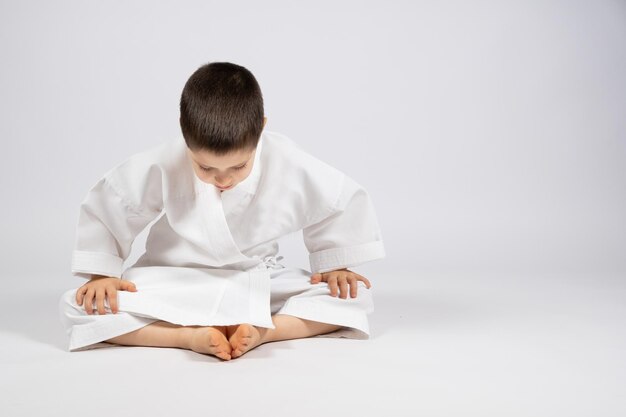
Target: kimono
[(211, 256)]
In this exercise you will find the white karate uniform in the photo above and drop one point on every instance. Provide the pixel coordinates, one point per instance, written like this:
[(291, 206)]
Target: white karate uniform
[(211, 257)]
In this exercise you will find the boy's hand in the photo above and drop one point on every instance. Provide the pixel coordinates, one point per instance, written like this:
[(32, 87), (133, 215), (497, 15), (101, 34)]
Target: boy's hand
[(101, 287), (340, 278)]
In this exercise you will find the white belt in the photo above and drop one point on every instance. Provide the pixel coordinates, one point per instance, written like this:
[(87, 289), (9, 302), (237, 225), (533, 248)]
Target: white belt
[(271, 262)]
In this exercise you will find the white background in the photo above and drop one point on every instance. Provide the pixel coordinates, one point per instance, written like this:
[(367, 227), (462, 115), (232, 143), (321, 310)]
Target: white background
[(491, 136)]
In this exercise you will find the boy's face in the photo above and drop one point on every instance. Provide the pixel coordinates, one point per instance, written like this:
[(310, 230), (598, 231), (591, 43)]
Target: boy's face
[(223, 171)]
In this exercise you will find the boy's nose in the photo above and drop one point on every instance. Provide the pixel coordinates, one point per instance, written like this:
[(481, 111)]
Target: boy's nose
[(221, 183)]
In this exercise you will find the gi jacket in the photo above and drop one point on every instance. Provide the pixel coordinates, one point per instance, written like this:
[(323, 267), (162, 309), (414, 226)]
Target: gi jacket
[(287, 190)]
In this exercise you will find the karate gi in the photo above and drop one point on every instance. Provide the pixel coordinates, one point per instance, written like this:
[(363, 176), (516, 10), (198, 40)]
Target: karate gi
[(211, 257)]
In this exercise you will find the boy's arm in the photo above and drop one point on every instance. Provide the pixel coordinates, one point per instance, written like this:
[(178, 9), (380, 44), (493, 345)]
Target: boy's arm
[(114, 212), (349, 236)]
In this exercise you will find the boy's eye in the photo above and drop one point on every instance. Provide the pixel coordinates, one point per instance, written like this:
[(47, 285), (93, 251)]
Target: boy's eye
[(236, 168)]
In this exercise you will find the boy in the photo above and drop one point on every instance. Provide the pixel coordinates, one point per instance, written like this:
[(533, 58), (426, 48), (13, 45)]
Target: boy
[(209, 280)]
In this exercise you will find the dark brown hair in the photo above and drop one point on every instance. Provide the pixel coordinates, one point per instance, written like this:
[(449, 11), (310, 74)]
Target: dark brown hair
[(221, 109)]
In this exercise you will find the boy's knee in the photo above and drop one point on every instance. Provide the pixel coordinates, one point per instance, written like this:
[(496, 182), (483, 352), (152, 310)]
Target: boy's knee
[(68, 300)]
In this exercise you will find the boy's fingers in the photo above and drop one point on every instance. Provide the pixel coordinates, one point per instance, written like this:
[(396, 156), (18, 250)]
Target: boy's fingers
[(127, 286), (354, 284), (367, 282), (100, 301), (79, 295), (332, 284), (112, 293), (88, 301), (343, 287), (315, 278), (362, 278)]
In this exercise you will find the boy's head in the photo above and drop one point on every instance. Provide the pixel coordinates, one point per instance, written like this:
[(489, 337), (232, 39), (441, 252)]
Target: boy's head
[(222, 117)]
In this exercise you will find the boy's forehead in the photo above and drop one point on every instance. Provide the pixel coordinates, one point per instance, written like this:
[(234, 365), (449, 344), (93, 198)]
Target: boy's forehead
[(208, 158)]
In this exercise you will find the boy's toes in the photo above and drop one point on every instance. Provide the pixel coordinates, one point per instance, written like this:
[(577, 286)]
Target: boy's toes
[(223, 355), (211, 341), (222, 349), (245, 338)]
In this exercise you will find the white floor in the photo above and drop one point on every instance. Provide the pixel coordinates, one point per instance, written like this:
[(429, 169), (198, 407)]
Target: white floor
[(446, 346)]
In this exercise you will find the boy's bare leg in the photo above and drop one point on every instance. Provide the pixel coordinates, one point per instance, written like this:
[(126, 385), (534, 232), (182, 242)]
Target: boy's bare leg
[(203, 339), (225, 342), (245, 337)]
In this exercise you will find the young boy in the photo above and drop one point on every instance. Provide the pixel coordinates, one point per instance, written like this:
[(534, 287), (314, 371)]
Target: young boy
[(221, 195)]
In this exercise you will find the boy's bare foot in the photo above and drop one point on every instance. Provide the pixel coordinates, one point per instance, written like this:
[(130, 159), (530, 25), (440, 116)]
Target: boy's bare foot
[(211, 340), (244, 337), (224, 342)]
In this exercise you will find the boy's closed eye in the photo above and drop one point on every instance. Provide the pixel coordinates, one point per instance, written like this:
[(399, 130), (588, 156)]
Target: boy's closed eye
[(208, 169)]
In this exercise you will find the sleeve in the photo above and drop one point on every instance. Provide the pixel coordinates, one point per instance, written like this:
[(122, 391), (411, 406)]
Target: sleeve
[(116, 209), (349, 236)]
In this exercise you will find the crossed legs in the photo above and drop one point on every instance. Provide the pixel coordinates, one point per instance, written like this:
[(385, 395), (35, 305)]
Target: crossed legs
[(224, 342)]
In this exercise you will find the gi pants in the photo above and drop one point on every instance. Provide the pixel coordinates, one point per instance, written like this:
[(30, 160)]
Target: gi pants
[(289, 292)]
